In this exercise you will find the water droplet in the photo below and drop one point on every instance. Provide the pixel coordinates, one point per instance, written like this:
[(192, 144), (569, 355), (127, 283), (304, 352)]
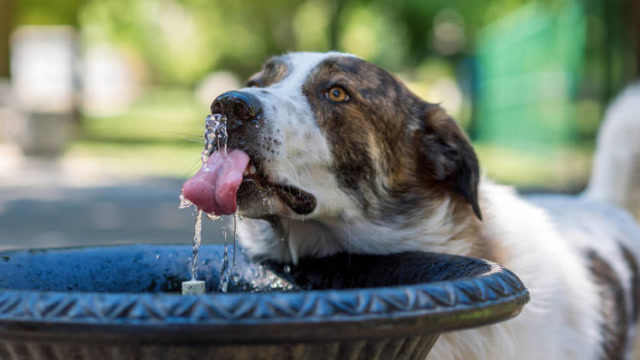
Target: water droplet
[(213, 217), (215, 133), (184, 203), (287, 269)]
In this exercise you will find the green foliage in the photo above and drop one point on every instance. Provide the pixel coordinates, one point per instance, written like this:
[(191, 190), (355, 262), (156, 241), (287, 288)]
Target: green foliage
[(182, 40), (47, 12)]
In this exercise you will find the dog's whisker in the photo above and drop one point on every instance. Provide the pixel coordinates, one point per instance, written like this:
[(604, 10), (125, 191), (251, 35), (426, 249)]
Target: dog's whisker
[(194, 140), (294, 170)]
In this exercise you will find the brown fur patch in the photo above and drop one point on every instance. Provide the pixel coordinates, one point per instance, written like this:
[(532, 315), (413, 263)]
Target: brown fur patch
[(366, 132), (372, 138), (273, 71), (614, 328), (447, 156)]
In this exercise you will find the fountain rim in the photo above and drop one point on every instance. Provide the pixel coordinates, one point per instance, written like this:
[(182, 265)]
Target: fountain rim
[(424, 308)]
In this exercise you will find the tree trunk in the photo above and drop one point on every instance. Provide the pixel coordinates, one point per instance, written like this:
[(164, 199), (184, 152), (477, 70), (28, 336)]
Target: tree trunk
[(635, 34), (6, 22), (335, 26)]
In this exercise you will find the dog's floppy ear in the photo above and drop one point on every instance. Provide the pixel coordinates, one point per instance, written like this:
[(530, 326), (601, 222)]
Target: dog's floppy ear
[(445, 155)]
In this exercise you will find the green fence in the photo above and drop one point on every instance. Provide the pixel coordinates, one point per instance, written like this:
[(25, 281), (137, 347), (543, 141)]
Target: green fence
[(529, 63)]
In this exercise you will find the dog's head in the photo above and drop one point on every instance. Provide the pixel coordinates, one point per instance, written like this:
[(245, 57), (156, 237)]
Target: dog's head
[(343, 157)]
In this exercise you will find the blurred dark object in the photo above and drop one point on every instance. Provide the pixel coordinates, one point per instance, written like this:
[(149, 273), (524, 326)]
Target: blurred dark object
[(634, 23), (618, 39)]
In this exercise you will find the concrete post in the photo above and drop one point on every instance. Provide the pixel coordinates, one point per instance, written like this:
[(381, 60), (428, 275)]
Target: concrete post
[(43, 76)]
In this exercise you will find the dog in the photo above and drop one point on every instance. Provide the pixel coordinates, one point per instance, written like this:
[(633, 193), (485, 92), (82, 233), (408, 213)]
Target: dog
[(616, 175), (328, 153)]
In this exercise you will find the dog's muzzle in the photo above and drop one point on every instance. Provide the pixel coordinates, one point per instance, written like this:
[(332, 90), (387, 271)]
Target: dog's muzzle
[(246, 135)]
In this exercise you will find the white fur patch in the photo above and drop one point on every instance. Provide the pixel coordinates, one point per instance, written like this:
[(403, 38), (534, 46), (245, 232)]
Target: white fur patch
[(562, 313)]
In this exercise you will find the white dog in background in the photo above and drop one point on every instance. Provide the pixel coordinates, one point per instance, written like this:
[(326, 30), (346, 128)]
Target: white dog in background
[(616, 173), (329, 153)]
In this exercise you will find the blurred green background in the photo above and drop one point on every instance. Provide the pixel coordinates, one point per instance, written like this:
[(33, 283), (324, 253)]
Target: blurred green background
[(529, 81)]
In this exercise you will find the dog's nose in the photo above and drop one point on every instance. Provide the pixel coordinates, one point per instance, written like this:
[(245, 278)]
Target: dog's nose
[(238, 106)]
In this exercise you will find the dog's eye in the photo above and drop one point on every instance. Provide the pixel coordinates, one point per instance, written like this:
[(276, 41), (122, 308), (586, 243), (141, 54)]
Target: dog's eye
[(337, 94), (253, 83)]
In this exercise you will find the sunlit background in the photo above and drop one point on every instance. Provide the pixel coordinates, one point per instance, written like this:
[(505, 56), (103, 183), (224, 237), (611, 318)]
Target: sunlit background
[(102, 101)]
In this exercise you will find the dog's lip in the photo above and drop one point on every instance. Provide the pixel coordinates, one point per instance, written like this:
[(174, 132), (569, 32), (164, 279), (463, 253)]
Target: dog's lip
[(254, 176)]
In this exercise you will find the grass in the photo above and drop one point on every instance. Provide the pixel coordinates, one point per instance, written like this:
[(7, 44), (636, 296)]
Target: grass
[(133, 161), (565, 168), (161, 115), (161, 135)]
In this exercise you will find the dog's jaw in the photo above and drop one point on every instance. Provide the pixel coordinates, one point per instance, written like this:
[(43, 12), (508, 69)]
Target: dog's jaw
[(437, 228)]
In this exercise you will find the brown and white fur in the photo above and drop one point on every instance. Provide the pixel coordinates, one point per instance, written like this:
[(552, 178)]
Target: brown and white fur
[(386, 172)]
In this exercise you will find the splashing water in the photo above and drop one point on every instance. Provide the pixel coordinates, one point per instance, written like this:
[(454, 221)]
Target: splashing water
[(184, 202), (229, 274), (215, 137)]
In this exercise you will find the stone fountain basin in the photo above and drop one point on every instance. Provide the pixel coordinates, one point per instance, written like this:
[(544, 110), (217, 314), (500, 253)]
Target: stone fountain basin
[(123, 302)]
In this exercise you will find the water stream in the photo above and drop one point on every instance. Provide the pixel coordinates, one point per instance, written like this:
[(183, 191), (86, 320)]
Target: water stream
[(234, 272), (197, 238), (215, 137), (224, 271)]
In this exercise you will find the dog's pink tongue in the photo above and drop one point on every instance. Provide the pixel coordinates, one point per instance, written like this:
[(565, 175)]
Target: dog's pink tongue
[(214, 188)]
